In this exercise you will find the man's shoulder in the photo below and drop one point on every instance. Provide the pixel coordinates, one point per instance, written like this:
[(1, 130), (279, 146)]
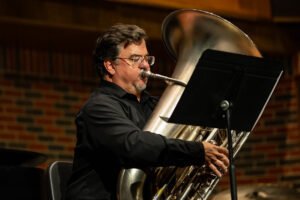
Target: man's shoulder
[(100, 98)]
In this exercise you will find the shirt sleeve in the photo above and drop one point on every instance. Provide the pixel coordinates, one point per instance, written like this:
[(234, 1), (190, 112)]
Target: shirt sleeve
[(109, 130)]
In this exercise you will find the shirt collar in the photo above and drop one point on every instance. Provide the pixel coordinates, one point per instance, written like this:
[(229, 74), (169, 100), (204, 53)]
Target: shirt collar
[(111, 88)]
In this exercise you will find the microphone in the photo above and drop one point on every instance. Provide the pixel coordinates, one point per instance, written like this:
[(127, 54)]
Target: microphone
[(149, 74)]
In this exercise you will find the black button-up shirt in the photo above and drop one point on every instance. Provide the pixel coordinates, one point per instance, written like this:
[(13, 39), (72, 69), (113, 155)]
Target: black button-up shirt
[(110, 137)]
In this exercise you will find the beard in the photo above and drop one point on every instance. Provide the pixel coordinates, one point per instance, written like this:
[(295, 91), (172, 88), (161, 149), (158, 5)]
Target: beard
[(141, 86)]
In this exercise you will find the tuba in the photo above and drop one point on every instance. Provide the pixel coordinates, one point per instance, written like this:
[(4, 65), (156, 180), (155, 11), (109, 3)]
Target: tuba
[(187, 34)]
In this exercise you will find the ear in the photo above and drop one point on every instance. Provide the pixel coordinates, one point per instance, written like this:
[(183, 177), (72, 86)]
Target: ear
[(110, 68)]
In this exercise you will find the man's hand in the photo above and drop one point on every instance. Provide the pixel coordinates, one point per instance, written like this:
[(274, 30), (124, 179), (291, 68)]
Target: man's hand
[(216, 158)]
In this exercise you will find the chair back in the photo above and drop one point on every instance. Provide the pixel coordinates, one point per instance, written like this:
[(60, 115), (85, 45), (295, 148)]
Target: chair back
[(59, 173)]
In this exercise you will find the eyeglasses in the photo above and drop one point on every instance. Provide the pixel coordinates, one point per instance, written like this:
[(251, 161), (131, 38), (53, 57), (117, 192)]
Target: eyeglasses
[(138, 59)]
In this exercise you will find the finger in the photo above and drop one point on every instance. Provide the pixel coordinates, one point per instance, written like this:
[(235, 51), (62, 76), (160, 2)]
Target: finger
[(221, 165), (214, 169), (225, 160), (219, 156), (223, 150)]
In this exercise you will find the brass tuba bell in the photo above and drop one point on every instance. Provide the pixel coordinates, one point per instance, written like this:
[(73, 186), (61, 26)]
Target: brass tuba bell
[(187, 34)]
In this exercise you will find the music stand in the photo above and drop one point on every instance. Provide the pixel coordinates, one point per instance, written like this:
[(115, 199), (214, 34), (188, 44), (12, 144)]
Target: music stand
[(226, 84)]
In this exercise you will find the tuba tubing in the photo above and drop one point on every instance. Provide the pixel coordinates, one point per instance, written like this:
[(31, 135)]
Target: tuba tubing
[(186, 34)]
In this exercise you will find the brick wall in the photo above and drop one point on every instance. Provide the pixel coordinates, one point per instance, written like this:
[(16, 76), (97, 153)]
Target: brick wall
[(42, 90)]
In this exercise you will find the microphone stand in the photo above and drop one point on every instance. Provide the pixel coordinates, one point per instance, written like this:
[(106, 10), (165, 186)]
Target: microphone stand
[(226, 107)]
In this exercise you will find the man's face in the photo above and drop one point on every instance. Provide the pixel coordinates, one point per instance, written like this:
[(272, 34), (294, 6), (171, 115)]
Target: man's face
[(127, 71)]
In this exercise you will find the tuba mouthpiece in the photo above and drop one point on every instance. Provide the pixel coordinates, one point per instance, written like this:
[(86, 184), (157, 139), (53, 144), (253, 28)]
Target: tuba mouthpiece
[(148, 74)]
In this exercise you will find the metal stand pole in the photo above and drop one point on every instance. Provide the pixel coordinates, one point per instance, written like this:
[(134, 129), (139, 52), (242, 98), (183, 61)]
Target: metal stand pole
[(226, 107)]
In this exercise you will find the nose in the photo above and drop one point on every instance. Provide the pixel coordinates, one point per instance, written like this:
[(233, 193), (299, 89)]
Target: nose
[(145, 65)]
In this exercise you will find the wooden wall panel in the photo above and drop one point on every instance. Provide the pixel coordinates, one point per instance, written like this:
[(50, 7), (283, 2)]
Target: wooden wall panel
[(246, 9)]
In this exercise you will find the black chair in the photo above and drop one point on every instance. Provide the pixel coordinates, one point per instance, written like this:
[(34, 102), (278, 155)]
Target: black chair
[(59, 173)]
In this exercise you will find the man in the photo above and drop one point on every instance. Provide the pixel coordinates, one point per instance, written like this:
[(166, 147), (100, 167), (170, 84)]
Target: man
[(110, 125)]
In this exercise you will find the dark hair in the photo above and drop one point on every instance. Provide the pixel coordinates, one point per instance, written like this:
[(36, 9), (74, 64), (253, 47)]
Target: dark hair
[(107, 46)]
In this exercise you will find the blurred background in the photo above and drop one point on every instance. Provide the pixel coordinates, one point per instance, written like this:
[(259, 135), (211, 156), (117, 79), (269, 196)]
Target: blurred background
[(46, 74)]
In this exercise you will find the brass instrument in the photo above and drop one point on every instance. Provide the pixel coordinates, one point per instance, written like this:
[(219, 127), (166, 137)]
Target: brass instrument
[(187, 34)]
